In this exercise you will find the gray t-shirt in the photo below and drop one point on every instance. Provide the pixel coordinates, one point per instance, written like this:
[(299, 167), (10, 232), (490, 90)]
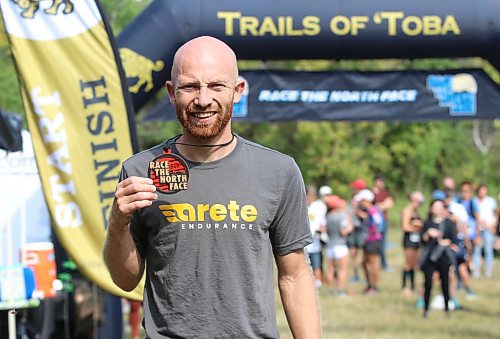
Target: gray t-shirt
[(335, 222), (209, 249)]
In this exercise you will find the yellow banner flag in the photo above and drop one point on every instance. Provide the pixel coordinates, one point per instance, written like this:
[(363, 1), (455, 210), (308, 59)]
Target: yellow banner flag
[(76, 108)]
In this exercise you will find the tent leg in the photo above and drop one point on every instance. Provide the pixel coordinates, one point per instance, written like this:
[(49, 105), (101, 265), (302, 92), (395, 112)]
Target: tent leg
[(12, 324)]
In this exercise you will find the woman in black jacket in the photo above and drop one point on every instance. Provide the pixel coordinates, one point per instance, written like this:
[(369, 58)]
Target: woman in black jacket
[(439, 239)]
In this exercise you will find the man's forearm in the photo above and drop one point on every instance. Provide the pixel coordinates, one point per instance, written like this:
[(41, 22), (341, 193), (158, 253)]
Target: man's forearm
[(121, 257), (300, 302)]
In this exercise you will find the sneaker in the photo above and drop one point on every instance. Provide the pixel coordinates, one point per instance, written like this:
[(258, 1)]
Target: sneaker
[(407, 293), (370, 291), (456, 304), (420, 303), (341, 294), (355, 278), (470, 295)]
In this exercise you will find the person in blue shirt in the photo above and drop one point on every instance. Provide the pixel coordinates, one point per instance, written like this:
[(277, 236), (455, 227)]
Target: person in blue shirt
[(470, 205)]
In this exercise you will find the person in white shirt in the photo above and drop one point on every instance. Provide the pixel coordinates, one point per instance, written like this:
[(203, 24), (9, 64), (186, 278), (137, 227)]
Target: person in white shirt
[(486, 226), (459, 215), (316, 210)]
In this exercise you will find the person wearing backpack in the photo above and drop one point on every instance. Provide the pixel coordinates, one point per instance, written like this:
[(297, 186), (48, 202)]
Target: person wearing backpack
[(439, 239), (470, 205), (373, 240)]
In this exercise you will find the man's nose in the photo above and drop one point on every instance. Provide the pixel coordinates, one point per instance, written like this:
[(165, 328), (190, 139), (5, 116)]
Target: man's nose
[(204, 97)]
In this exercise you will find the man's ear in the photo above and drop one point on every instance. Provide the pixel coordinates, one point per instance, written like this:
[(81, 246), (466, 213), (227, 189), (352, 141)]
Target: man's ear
[(170, 90), (238, 90)]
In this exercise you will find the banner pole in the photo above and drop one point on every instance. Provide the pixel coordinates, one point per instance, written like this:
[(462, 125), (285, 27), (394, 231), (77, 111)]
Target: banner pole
[(95, 310), (12, 324)]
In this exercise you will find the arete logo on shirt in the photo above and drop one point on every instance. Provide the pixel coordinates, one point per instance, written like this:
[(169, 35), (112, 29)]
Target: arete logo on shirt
[(207, 216)]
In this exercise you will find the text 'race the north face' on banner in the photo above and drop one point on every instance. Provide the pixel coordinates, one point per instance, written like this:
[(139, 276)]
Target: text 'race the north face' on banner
[(78, 115)]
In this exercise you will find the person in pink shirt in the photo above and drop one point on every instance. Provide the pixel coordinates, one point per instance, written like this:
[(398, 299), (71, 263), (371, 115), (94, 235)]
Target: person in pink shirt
[(373, 240), (356, 238)]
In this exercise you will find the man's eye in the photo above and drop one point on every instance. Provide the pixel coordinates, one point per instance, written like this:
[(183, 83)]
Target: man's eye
[(189, 88), (217, 87)]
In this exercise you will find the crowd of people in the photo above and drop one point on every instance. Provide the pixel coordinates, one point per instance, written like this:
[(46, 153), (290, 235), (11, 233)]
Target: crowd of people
[(453, 242), (346, 229)]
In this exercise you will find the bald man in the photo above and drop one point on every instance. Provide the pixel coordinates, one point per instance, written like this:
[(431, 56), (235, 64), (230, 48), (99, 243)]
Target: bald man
[(205, 213)]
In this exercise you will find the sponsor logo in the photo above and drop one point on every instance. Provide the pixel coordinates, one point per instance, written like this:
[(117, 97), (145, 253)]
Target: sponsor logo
[(186, 212), (140, 68), (30, 7), (458, 92), (49, 20)]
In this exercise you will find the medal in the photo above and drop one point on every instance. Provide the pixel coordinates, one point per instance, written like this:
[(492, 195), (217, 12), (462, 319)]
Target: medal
[(169, 172)]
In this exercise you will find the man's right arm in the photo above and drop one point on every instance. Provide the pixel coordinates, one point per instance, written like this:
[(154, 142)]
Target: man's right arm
[(120, 253)]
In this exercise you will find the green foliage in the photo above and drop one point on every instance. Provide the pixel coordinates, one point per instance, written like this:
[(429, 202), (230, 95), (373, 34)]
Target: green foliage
[(410, 156), (10, 97), (151, 134), (121, 12)]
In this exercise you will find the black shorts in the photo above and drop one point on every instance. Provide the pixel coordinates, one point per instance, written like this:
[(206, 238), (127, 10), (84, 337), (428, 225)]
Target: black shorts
[(356, 239), (411, 240), (461, 254), (373, 247)]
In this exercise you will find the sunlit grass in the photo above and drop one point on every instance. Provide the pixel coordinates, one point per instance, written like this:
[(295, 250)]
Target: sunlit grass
[(391, 315)]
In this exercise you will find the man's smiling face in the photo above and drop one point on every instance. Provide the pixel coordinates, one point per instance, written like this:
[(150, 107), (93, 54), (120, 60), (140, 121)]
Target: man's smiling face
[(204, 88)]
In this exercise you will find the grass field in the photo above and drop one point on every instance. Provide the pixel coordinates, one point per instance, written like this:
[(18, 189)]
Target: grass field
[(391, 315)]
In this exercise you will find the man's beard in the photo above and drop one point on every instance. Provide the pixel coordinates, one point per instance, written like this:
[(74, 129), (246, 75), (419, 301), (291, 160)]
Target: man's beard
[(203, 130)]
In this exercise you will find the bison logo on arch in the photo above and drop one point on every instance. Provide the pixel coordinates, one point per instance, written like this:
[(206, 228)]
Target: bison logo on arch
[(140, 67), (30, 7)]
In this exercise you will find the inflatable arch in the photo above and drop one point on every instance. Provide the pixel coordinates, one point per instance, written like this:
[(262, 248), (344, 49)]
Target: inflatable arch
[(298, 29)]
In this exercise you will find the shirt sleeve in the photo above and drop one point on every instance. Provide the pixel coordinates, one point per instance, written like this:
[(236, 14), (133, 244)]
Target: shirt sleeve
[(452, 233), (322, 217), (138, 233), (427, 225), (344, 221), (474, 206), (289, 230)]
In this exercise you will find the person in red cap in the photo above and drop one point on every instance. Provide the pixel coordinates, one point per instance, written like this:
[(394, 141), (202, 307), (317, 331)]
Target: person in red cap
[(358, 185), (356, 239)]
